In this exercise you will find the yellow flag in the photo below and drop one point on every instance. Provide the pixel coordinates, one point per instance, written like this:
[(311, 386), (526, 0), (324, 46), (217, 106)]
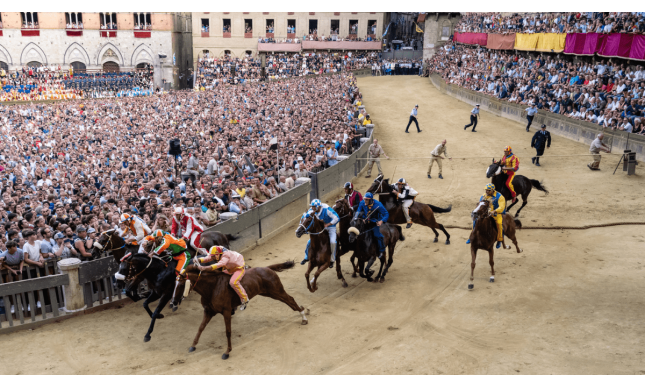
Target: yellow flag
[(419, 30)]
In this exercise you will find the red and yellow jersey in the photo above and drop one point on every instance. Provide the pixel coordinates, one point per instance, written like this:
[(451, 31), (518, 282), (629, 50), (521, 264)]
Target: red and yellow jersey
[(511, 161)]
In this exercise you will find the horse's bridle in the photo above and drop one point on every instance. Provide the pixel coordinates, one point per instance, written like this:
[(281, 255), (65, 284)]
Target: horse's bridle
[(104, 248), (313, 220)]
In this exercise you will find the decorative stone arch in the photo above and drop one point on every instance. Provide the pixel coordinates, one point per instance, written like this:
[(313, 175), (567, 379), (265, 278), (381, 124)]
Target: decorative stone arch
[(109, 53), (142, 54), (5, 56), (223, 52), (76, 53), (445, 23), (33, 53)]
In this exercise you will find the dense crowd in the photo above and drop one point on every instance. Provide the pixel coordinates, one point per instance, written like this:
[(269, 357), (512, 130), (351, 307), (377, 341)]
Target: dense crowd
[(40, 83), (71, 170), (605, 92), (558, 22)]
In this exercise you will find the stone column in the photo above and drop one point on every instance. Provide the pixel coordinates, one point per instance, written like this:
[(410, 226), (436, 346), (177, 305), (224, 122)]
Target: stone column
[(73, 292)]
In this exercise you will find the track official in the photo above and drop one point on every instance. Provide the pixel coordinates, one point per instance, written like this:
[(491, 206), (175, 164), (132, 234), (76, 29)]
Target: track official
[(435, 157), (413, 118), (540, 139), (375, 151), (530, 114), (474, 115), (596, 146)]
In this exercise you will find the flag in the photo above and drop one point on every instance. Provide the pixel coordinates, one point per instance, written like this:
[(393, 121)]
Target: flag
[(387, 28), (419, 30)]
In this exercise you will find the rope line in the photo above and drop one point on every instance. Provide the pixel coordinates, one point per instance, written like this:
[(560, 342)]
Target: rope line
[(489, 157), (566, 227)]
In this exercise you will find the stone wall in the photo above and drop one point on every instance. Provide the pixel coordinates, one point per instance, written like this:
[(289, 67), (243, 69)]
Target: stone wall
[(560, 125), (434, 35)]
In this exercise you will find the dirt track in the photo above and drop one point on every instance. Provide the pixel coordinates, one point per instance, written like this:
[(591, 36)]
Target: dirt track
[(571, 303)]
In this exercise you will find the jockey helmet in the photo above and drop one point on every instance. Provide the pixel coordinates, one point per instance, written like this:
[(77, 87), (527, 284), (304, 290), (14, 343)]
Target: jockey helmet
[(315, 203), (349, 185), (158, 234), (490, 186), (125, 218), (369, 195), (401, 181), (216, 250), (508, 149)]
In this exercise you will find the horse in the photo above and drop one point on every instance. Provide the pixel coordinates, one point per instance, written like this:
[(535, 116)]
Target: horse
[(366, 246), (219, 297), (420, 213), (484, 236), (345, 213), (521, 184), (319, 254)]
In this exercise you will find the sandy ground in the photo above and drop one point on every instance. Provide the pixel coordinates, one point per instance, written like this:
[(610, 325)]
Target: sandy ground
[(571, 303)]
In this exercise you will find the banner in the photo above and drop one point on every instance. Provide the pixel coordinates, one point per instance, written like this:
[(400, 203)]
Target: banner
[(617, 45), (526, 42), (626, 46), (347, 45), (551, 42), (500, 41), (279, 47), (471, 38)]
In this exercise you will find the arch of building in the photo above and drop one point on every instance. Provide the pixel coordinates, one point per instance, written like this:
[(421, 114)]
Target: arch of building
[(33, 53)]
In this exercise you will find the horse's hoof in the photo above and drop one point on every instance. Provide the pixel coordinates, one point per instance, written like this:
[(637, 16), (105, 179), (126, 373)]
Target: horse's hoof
[(521, 250), (304, 322), (354, 275), (345, 284), (146, 339), (225, 356), (371, 272), (491, 279), (160, 315), (470, 286), (447, 241), (191, 349), (507, 247), (436, 240), (369, 279), (174, 308), (382, 280)]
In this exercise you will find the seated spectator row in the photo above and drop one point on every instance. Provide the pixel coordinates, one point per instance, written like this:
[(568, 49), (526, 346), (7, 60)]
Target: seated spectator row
[(606, 92)]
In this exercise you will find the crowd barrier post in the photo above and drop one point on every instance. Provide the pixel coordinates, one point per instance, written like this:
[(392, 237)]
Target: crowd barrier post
[(73, 292)]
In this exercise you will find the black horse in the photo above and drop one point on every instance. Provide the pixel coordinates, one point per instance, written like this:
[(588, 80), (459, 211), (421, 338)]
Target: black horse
[(366, 246), (521, 184)]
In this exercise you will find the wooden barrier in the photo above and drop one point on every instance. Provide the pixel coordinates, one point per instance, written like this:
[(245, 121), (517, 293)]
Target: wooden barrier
[(16, 291), (95, 277)]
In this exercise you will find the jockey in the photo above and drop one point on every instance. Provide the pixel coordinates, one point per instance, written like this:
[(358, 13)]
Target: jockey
[(497, 209), (177, 249), (192, 229), (373, 211), (147, 240), (136, 226), (353, 197), (233, 264), (510, 165), (330, 218), (406, 197)]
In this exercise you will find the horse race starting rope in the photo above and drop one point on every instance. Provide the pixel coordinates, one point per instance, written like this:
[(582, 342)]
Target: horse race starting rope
[(488, 157), (566, 227)]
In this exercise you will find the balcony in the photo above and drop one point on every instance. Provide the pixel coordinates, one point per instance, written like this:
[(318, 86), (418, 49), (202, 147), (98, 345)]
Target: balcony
[(142, 34), (107, 33), (353, 36), (291, 36), (248, 35), (270, 35), (206, 34), (30, 32), (74, 32), (227, 34)]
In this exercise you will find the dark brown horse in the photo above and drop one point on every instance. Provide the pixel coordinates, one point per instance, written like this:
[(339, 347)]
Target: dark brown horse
[(366, 246), (484, 236), (319, 254), (420, 213), (521, 184), (345, 213), (219, 297)]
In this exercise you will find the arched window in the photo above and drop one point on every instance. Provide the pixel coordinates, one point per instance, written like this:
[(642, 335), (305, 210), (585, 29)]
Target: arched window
[(73, 20), (4, 66), (110, 67), (249, 52), (34, 64), (78, 67), (29, 19), (142, 21), (227, 52), (108, 20)]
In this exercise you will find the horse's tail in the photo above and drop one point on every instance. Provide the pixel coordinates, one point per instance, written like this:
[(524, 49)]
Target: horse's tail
[(538, 185), (518, 224), (230, 237), (439, 210), (282, 266), (401, 236)]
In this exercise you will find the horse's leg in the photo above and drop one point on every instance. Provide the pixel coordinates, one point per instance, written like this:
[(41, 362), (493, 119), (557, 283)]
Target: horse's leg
[(390, 251), (473, 253), (361, 268), (511, 235), (442, 228), (354, 265), (436, 234), (389, 263), (309, 268), (321, 268), (151, 298), (205, 320), (368, 272), (339, 273), (524, 203), (162, 304), (492, 266), (227, 322), (380, 270), (280, 294)]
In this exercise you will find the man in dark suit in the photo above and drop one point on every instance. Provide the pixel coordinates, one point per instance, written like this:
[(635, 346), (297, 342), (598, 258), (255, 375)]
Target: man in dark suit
[(540, 139)]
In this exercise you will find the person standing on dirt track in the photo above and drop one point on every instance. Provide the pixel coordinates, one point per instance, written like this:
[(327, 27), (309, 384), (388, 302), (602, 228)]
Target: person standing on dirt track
[(436, 157), (374, 153), (413, 118), (541, 138), (530, 114), (474, 115), (596, 146)]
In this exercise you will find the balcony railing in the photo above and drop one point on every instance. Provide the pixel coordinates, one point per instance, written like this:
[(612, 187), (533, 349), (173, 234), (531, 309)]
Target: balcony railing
[(74, 32), (248, 34), (227, 34), (108, 33), (30, 32), (142, 34)]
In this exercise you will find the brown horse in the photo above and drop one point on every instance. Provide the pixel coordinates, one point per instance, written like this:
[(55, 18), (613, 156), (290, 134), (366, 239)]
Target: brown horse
[(345, 213), (420, 213), (484, 236), (219, 297), (319, 254)]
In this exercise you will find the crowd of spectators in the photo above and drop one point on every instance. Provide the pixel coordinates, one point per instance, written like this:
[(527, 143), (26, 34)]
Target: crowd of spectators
[(610, 93), (30, 25), (554, 22), (108, 26), (69, 170), (73, 26), (143, 26)]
